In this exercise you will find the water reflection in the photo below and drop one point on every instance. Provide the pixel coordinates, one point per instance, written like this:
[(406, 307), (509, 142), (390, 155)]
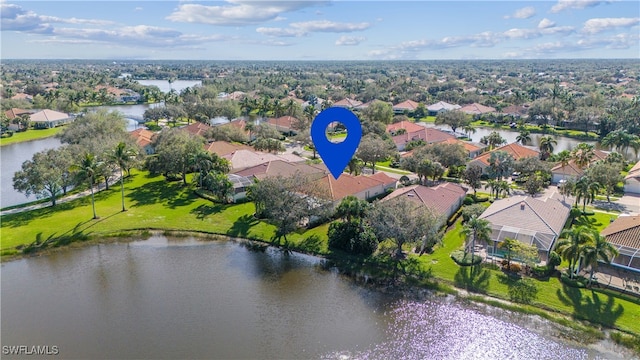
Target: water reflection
[(184, 298)]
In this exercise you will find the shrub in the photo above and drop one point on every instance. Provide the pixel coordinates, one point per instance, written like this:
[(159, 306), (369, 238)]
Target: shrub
[(463, 259), (513, 267), (480, 199), (577, 282), (349, 237), (468, 200), (541, 271), (523, 291)]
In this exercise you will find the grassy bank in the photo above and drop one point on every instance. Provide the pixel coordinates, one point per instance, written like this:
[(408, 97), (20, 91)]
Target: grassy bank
[(154, 203), (33, 134)]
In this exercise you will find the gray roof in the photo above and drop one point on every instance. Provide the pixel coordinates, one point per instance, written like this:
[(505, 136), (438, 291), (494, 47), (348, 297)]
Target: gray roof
[(538, 220)]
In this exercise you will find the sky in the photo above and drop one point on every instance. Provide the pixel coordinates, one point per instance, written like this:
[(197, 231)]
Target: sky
[(319, 30)]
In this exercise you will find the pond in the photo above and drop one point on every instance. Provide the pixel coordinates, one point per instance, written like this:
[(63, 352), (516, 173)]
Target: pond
[(165, 86), (186, 298)]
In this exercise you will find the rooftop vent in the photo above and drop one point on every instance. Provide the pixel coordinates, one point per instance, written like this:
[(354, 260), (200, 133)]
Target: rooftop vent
[(522, 205)]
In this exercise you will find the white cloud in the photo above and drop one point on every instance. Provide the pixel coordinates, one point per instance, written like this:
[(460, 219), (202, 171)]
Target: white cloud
[(138, 8), (350, 40), (304, 28), (593, 26), (618, 41), (237, 12), (524, 13), (15, 18), (546, 23), (576, 4)]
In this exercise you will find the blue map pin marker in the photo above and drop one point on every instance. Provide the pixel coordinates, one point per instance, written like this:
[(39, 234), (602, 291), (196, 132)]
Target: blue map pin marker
[(336, 155)]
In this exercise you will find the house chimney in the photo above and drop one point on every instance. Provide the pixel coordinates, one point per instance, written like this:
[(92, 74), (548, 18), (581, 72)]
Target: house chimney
[(522, 205)]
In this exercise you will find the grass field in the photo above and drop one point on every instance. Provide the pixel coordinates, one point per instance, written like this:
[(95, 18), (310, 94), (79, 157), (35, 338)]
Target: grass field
[(33, 134), (154, 203)]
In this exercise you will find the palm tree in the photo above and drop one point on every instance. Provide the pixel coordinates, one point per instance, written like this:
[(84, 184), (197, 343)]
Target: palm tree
[(547, 144), (203, 162), (122, 156), (469, 129), (583, 154), (87, 169), (352, 208), (597, 249), (585, 190), (524, 137), (570, 245), (563, 157), (478, 229)]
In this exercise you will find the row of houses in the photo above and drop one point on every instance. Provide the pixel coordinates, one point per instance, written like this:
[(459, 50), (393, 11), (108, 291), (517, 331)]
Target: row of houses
[(42, 119), (410, 106)]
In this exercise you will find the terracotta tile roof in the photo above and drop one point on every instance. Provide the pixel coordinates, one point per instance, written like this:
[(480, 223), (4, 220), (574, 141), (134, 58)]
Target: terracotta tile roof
[(242, 159), (634, 172), (429, 135), (281, 168), (624, 231), (441, 198), (408, 105), (572, 169), (347, 185), (477, 109), (407, 125), (545, 215), (16, 112), (222, 148), (347, 103), (283, 123), (518, 110), (48, 115), (384, 178), (22, 96), (197, 128), (239, 124), (143, 136), (516, 150), (465, 144), (112, 90)]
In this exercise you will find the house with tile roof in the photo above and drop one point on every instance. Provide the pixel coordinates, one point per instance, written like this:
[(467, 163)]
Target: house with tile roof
[(624, 235), (241, 159), (347, 103), (428, 135), (445, 199), (516, 111), (632, 180), (408, 126), (22, 96), (239, 124), (197, 128), (408, 106), (46, 119), (222, 148), (516, 150), (532, 221), (472, 149), (284, 124), (477, 109), (16, 112), (144, 139), (441, 106), (573, 171), (362, 186)]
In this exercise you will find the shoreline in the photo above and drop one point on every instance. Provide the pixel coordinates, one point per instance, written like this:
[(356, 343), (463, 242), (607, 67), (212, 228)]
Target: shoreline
[(573, 329)]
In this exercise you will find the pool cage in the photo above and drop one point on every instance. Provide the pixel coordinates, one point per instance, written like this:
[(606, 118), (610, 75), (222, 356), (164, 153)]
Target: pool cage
[(628, 257), (544, 241), (240, 185)]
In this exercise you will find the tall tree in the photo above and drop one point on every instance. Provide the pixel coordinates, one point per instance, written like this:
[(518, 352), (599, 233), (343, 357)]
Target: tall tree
[(378, 111), (524, 137), (597, 248), (472, 176), (547, 144), (175, 150), (500, 164), (122, 156), (454, 118), (403, 221), (570, 245), (607, 175), (585, 190), (87, 169), (493, 139), (46, 174), (476, 229), (583, 154), (373, 149)]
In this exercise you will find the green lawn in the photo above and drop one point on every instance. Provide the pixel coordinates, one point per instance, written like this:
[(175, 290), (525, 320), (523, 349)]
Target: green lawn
[(600, 306), (32, 134), (154, 203)]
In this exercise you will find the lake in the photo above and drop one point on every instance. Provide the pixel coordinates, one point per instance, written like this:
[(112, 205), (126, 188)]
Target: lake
[(165, 87), (184, 298)]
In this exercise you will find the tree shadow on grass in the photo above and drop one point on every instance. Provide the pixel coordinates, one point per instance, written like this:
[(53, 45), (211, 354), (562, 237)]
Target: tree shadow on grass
[(170, 193), (587, 221), (203, 211), (474, 278), (24, 218), (312, 243), (591, 305), (242, 225)]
